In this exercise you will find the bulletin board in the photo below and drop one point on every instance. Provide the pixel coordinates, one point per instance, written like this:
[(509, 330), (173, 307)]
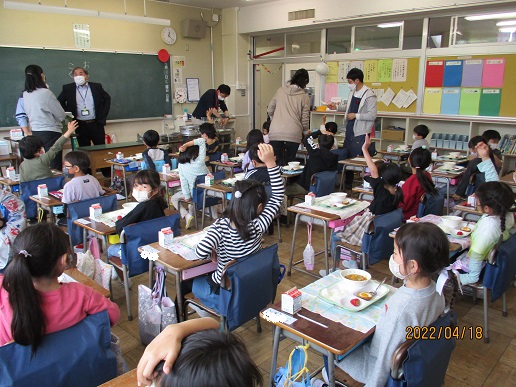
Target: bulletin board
[(477, 85), (380, 75)]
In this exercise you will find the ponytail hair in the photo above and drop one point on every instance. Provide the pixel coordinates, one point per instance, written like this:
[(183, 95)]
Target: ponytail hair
[(37, 250), (499, 197), (242, 208), (33, 78), (420, 159), (391, 175)]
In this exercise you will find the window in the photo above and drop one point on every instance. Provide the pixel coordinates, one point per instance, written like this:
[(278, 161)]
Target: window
[(439, 32), (412, 34), (263, 44), (338, 40), (494, 30), (303, 43), (378, 37)]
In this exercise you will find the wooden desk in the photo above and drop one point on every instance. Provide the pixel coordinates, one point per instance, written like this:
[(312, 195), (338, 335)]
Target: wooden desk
[(508, 179), (128, 379), (98, 154), (447, 177), (242, 145), (12, 157), (467, 212), (398, 156), (217, 187), (168, 179), (85, 280), (333, 341), (354, 165), (363, 193), (47, 202), (182, 270), (96, 227), (115, 165), (8, 184), (224, 166)]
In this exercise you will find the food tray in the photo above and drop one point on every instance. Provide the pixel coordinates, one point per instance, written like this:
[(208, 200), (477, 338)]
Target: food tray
[(339, 294)]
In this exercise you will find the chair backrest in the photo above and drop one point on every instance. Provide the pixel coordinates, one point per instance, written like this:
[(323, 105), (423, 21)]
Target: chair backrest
[(253, 282), (79, 356), (81, 209), (431, 204), (215, 156), (323, 183), (379, 245), (140, 234), (29, 188), (342, 153), (198, 193), (499, 276), (426, 361), (158, 164)]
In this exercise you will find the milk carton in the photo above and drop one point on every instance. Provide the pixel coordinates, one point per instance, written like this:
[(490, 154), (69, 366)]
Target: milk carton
[(165, 237), (209, 179), (119, 156), (11, 173), (310, 199), (291, 301), (166, 168), (367, 185), (390, 148), (16, 134), (434, 155), (42, 190), (224, 157), (95, 211), (472, 201), (238, 140)]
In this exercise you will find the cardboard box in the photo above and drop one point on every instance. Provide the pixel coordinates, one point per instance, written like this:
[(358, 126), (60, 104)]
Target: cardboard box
[(393, 134), (291, 301), (165, 237), (209, 179), (95, 211)]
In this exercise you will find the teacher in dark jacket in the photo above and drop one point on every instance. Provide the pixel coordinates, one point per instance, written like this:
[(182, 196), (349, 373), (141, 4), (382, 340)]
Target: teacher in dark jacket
[(212, 100), (89, 103)]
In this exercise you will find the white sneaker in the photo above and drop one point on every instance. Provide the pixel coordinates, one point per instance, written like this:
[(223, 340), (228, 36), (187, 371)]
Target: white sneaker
[(351, 264), (200, 312), (214, 213), (189, 219)]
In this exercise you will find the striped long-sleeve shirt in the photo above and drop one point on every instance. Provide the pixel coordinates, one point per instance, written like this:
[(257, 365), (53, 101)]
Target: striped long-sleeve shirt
[(226, 241)]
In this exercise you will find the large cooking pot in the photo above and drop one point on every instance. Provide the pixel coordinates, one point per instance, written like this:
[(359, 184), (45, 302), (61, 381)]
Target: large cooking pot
[(189, 130)]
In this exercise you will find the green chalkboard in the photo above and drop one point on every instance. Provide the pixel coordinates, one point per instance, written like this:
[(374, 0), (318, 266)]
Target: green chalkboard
[(139, 85)]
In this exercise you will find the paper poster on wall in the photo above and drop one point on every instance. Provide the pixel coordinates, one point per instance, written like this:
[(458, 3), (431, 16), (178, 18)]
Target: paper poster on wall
[(400, 98), (370, 71), (384, 70), (432, 100), (472, 73), (192, 89), (411, 97), (434, 73), (379, 93), (452, 76), (343, 91), (81, 35), (387, 96), (330, 91), (178, 75), (490, 102), (450, 101), (469, 101), (311, 78), (493, 73), (399, 70), (178, 61), (359, 64), (332, 75), (343, 71)]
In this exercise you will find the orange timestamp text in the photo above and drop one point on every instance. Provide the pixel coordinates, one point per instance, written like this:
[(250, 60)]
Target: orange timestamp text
[(447, 333)]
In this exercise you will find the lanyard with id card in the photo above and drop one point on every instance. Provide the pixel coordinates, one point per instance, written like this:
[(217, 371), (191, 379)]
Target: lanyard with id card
[(84, 111)]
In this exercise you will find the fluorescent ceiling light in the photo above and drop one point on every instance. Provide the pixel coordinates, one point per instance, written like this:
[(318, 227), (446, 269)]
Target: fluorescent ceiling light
[(506, 15), (506, 23), (390, 25), (48, 9), (132, 18), (507, 29)]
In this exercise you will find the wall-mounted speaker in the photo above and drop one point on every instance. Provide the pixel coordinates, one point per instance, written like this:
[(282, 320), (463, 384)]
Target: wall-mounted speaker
[(195, 29)]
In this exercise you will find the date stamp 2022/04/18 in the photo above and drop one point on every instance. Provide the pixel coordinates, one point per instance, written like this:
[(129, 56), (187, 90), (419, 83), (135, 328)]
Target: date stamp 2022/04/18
[(433, 333)]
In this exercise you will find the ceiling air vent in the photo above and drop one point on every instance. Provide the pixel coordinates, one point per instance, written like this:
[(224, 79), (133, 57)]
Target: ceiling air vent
[(301, 14)]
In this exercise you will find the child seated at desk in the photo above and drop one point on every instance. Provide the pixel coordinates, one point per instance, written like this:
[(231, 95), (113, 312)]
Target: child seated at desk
[(265, 131), (493, 138), (32, 301), (153, 154), (253, 137), (82, 185), (209, 134), (36, 163)]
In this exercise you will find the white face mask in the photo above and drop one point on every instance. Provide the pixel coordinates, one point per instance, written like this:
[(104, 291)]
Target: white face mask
[(140, 196), (395, 269), (493, 146), (221, 98), (352, 86), (414, 137), (79, 80)]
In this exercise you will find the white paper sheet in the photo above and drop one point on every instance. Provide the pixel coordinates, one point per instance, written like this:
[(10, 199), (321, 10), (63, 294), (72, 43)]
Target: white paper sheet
[(387, 97), (411, 97), (400, 98)]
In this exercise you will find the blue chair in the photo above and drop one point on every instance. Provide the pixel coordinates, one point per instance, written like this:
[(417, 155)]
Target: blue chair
[(248, 285), (81, 209), (431, 204), (79, 356), (423, 363), (323, 183), (158, 164), (29, 188), (342, 153), (498, 275), (134, 236), (198, 194)]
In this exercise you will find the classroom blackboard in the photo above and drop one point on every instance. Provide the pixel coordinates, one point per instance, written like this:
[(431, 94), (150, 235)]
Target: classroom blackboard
[(139, 85)]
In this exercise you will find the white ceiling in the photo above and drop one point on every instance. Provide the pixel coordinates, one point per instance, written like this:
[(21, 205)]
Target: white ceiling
[(221, 4)]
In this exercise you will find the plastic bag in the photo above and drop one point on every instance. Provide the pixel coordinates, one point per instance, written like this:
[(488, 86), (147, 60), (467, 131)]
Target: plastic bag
[(295, 373), (308, 253)]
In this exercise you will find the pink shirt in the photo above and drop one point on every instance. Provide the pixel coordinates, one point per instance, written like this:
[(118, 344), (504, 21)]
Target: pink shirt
[(62, 308)]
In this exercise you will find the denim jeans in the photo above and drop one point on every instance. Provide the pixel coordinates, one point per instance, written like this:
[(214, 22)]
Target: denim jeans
[(202, 290)]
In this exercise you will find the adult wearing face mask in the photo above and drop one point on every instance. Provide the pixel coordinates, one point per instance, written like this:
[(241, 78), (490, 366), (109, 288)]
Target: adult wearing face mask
[(212, 101), (359, 118), (89, 103), (38, 112)]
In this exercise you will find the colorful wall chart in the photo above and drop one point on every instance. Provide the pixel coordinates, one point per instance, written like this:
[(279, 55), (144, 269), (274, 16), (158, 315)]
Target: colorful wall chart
[(474, 86)]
